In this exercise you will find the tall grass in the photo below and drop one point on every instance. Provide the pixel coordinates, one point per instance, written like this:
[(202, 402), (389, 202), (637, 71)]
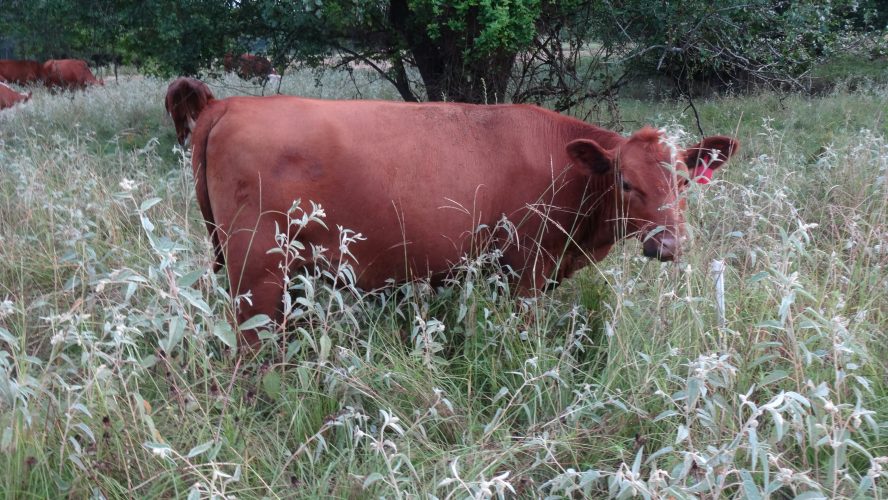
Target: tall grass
[(118, 377)]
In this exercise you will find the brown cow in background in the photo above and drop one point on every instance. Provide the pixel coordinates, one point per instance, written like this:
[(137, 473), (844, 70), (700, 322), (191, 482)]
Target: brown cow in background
[(68, 74), (418, 179), (248, 66), (22, 72), (9, 97)]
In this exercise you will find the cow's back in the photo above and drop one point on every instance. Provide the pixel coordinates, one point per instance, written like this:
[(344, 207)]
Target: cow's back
[(22, 72), (421, 175), (9, 97), (68, 73)]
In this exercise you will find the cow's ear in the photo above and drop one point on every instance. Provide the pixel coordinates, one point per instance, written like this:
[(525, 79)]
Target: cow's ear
[(711, 152), (590, 157)]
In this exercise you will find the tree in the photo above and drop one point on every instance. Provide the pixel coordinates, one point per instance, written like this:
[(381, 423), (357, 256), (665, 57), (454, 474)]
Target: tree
[(764, 42), (562, 53), (167, 36), (177, 37), (463, 50)]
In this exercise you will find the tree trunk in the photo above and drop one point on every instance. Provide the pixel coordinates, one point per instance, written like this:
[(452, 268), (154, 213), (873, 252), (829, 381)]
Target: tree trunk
[(446, 71), (402, 83)]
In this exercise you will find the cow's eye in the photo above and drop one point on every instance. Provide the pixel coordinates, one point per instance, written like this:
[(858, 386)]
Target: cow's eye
[(626, 186)]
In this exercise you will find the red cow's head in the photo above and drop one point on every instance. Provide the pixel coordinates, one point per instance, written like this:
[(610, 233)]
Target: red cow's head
[(649, 178)]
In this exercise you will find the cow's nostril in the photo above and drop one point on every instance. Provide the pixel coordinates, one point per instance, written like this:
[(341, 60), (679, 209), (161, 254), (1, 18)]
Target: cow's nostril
[(650, 251), (663, 249)]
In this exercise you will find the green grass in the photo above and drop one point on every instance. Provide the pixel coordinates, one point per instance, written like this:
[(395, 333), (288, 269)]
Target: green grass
[(860, 66), (115, 378)]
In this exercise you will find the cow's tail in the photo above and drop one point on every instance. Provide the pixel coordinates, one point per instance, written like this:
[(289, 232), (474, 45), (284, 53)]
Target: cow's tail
[(199, 142)]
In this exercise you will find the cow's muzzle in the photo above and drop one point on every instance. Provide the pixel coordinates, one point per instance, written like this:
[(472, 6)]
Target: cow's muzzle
[(663, 246)]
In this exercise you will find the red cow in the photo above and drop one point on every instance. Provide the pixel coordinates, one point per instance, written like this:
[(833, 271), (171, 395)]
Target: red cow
[(22, 72), (417, 180), (185, 99), (9, 97), (68, 74), (248, 66)]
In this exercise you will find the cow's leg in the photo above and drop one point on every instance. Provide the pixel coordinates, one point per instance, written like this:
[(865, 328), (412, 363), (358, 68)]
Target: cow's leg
[(255, 275)]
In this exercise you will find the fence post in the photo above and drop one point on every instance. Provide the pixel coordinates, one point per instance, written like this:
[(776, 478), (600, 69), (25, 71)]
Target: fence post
[(718, 274)]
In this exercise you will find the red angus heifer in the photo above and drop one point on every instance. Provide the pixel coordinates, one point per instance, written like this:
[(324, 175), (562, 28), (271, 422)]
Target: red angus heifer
[(417, 180), (9, 97), (248, 66), (22, 72), (68, 74)]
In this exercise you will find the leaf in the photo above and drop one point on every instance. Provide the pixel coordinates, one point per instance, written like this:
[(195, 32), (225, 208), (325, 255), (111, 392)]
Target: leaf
[(665, 414), (195, 300), (372, 478), (6, 440), (150, 202), (325, 347), (86, 430), (659, 453), (757, 277), (77, 462), (811, 495), (82, 409), (223, 331), (854, 444), (148, 361), (763, 359), (682, 434), (503, 392), (636, 466), (271, 384), (866, 483), (191, 278), (194, 492), (773, 376), (175, 333), (785, 304), (197, 450), (149, 227), (7, 337), (770, 323), (750, 490), (693, 392), (753, 445), (255, 322)]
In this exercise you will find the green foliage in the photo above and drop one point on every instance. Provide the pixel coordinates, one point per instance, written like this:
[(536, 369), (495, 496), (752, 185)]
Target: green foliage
[(762, 42), (176, 38), (51, 28), (481, 51), (167, 37), (502, 26), (462, 50)]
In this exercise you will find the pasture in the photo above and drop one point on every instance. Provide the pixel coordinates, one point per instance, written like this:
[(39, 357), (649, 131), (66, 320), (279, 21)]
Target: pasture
[(118, 378)]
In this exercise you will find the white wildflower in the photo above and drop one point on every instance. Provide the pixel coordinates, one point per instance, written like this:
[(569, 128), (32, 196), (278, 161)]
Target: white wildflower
[(659, 478), (57, 338), (161, 452), (127, 185), (876, 470), (784, 476), (7, 307)]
